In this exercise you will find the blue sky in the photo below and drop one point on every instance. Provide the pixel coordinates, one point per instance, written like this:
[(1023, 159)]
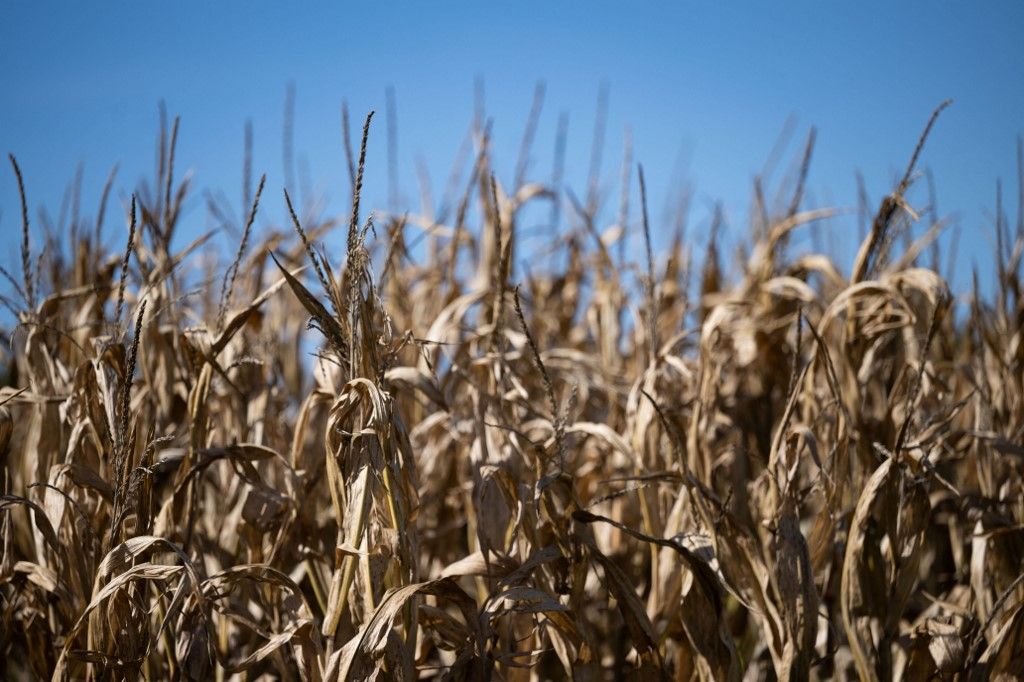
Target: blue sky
[(711, 84)]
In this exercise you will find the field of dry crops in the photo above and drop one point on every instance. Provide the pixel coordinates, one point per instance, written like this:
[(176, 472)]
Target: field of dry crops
[(405, 460)]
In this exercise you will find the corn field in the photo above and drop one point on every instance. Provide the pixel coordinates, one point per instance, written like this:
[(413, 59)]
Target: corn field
[(410, 458)]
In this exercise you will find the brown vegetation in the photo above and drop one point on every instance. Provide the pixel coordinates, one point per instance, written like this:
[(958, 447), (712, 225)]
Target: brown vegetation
[(589, 473)]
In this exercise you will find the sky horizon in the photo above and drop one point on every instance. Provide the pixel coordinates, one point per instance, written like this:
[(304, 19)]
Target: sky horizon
[(706, 93)]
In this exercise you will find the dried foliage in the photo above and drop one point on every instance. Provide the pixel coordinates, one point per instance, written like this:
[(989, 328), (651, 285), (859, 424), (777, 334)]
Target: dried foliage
[(584, 471)]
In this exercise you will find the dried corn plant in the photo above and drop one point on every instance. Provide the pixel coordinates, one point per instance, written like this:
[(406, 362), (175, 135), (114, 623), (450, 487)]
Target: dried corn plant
[(583, 471)]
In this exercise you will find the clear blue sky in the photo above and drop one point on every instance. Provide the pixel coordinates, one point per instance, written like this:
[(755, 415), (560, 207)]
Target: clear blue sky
[(714, 85)]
